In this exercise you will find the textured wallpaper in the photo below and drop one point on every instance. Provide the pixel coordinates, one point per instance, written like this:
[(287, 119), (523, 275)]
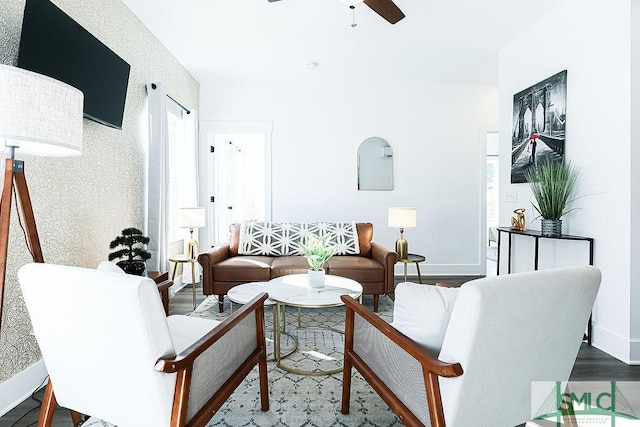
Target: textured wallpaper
[(82, 203)]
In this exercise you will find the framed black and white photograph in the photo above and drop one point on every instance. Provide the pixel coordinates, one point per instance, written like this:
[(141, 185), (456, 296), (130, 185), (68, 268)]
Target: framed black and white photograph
[(539, 122)]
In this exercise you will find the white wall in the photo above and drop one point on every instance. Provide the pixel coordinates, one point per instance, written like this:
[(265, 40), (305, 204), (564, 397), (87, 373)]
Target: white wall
[(319, 120), (82, 203), (591, 40)]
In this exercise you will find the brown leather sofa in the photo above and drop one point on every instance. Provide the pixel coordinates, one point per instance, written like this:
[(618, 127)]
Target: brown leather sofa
[(223, 268)]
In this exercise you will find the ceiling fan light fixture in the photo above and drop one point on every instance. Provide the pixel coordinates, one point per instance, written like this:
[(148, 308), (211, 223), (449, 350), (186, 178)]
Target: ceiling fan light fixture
[(351, 3)]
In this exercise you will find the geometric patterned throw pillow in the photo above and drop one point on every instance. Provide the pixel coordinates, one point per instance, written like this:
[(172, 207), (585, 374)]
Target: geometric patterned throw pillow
[(284, 238)]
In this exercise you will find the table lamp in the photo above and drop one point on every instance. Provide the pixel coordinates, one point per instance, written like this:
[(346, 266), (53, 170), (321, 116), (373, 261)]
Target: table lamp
[(191, 218), (40, 116), (402, 218)]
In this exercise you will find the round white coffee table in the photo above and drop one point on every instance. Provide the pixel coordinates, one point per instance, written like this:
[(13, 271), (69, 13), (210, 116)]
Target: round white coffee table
[(242, 294), (294, 291)]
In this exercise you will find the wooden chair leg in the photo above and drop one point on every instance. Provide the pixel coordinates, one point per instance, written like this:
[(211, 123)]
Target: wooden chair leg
[(221, 303), (346, 385), (376, 300), (48, 407), (264, 383)]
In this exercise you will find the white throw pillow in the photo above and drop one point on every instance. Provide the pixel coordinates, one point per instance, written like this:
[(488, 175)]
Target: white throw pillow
[(422, 313)]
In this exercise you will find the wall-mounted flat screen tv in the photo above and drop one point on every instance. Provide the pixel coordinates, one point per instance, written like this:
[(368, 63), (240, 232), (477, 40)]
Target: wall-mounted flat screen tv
[(55, 45)]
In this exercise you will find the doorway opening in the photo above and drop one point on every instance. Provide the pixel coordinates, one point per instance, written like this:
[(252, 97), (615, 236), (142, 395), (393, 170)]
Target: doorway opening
[(239, 181), (238, 177)]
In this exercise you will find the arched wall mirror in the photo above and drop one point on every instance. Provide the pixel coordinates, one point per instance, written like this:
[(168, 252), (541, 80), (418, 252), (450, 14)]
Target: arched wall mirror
[(375, 165)]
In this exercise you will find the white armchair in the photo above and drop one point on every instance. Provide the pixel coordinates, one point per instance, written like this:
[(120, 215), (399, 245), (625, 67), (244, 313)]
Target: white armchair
[(111, 352), (503, 333)]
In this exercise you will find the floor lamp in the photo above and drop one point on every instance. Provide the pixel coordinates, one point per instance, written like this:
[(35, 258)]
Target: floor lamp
[(39, 116)]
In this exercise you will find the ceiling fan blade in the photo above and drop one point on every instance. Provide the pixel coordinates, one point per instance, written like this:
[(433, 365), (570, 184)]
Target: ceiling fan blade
[(271, 1), (387, 9)]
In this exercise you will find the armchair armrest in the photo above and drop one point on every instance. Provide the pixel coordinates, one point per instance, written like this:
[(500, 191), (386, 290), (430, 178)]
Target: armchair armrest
[(402, 372), (207, 260), (388, 259), (212, 368)]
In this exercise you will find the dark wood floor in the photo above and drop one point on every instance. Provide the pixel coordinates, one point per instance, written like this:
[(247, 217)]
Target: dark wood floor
[(592, 364)]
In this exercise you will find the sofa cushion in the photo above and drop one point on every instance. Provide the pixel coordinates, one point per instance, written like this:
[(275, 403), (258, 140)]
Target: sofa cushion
[(244, 269), (285, 265), (284, 238), (422, 312), (360, 269)]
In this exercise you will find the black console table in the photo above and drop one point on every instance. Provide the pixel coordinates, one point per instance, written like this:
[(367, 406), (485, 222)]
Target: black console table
[(537, 235)]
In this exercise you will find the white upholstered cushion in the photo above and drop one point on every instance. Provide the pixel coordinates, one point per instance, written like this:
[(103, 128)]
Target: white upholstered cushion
[(109, 266), (186, 330), (422, 312)]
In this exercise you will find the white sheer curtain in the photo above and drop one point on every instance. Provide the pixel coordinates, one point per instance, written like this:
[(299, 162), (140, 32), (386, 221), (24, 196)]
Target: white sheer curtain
[(156, 221), (189, 176), (172, 179)]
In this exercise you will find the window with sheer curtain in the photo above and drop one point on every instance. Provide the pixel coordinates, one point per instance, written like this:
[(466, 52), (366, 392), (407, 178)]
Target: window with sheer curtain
[(171, 174), (182, 166)]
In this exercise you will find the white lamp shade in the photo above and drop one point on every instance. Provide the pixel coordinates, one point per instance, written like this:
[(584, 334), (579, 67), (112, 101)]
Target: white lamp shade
[(191, 218), (402, 217), (39, 115)]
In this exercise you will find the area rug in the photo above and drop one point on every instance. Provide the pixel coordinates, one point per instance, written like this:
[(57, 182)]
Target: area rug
[(300, 400)]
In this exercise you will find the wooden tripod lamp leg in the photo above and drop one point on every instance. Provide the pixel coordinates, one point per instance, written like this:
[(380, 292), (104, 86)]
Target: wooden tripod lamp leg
[(28, 220), (5, 217), (14, 176)]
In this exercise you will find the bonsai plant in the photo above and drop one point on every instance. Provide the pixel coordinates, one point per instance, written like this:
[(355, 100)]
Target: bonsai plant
[(553, 185), (135, 255), (317, 251)]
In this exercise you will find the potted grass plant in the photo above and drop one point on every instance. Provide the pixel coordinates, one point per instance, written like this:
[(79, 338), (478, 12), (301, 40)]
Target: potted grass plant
[(553, 185), (317, 251)]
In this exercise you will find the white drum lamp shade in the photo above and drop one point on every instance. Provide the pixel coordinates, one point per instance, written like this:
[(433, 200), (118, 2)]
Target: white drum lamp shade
[(39, 115), (191, 218), (402, 218)]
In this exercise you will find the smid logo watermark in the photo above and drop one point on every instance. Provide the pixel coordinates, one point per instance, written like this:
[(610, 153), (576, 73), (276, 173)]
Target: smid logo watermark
[(585, 403)]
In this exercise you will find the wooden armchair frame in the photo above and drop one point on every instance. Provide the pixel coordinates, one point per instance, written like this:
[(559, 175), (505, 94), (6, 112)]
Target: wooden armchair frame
[(432, 367), (183, 365)]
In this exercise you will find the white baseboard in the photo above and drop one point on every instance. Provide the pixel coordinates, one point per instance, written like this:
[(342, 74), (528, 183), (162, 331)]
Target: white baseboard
[(611, 343), (634, 358), (427, 270), (19, 387)]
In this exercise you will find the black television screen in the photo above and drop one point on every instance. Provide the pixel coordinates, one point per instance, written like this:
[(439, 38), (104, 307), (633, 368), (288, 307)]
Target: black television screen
[(55, 45)]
